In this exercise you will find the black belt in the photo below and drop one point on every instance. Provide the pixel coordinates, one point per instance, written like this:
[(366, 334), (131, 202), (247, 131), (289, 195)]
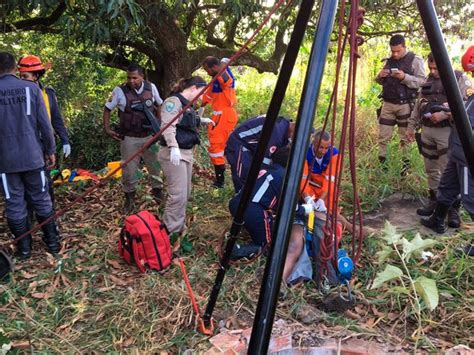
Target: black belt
[(398, 102), (428, 123)]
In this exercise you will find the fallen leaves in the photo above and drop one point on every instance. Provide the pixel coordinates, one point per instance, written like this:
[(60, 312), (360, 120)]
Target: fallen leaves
[(41, 295)]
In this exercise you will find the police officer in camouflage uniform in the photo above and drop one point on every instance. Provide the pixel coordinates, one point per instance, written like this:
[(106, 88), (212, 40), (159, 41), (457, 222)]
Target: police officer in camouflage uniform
[(400, 77), (435, 127), (25, 135), (456, 178)]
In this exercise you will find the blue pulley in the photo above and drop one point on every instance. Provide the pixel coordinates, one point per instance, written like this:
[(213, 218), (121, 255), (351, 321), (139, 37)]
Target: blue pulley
[(345, 265)]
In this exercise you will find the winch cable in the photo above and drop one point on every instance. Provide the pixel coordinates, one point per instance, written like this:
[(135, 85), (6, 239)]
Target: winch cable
[(148, 143), (329, 246), (348, 124), (332, 108)]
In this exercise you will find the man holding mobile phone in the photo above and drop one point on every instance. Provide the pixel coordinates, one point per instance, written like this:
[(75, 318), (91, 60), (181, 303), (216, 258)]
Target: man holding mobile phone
[(400, 78)]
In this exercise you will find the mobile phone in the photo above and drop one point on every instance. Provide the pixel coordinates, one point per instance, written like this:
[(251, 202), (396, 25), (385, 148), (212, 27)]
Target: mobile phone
[(394, 70)]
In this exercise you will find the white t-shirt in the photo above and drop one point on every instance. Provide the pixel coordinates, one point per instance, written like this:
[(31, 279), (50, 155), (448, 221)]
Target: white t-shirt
[(118, 99)]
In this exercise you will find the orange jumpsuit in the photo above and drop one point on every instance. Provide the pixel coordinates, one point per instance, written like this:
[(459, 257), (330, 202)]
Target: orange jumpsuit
[(322, 177), (221, 96)]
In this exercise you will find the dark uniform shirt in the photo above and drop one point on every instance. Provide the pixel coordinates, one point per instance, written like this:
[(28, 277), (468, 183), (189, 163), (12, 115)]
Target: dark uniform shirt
[(456, 153), (266, 193), (248, 135), (57, 120), (23, 119)]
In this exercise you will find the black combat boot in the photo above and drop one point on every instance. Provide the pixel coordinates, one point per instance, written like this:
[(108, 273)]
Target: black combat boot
[(50, 233), (454, 220), (157, 194), (23, 246), (436, 220), (429, 208), (245, 251), (129, 204), (220, 170)]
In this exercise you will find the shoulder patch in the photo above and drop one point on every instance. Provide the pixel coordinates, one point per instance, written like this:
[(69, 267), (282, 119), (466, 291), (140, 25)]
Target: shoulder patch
[(469, 92), (169, 106)]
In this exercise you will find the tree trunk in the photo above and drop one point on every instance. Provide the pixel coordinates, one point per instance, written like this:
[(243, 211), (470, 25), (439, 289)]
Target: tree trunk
[(174, 62)]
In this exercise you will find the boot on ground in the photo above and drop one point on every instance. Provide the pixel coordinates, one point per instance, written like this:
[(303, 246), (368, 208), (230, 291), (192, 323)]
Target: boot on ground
[(436, 221), (23, 246), (428, 210), (129, 204), (50, 234), (245, 251), (220, 171), (454, 219)]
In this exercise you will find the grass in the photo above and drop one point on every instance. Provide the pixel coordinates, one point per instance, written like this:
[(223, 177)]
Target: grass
[(93, 302)]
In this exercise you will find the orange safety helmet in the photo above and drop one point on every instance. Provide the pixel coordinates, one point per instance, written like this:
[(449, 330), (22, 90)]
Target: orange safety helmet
[(30, 63), (467, 59)]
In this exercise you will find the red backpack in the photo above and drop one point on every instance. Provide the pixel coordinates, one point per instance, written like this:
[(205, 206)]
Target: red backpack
[(144, 241)]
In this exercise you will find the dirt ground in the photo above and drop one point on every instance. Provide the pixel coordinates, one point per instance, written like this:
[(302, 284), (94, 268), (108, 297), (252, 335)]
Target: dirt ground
[(400, 210)]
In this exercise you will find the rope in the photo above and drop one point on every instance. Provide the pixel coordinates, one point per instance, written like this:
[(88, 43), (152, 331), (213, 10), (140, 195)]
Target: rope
[(152, 140), (203, 329), (329, 246)]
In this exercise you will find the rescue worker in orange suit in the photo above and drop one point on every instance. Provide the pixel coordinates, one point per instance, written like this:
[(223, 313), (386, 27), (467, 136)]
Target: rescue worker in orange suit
[(319, 173), (31, 68), (221, 96)]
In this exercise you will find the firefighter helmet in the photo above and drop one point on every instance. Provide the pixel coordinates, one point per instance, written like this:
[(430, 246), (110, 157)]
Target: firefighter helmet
[(468, 59), (30, 63)]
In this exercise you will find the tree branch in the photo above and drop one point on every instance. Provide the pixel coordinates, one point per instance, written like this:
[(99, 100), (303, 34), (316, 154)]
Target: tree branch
[(42, 24), (116, 60), (210, 38), (190, 17), (249, 59), (230, 35)]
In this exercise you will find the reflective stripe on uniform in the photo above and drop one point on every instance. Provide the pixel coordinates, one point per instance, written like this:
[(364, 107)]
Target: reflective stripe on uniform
[(5, 186), (466, 181), (261, 191), (216, 155), (267, 161), (251, 131), (28, 101), (332, 178), (46, 103), (43, 181)]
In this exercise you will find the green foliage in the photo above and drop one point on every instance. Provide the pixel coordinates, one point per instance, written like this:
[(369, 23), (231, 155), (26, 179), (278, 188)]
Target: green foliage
[(424, 286), (92, 149), (429, 292), (390, 273)]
